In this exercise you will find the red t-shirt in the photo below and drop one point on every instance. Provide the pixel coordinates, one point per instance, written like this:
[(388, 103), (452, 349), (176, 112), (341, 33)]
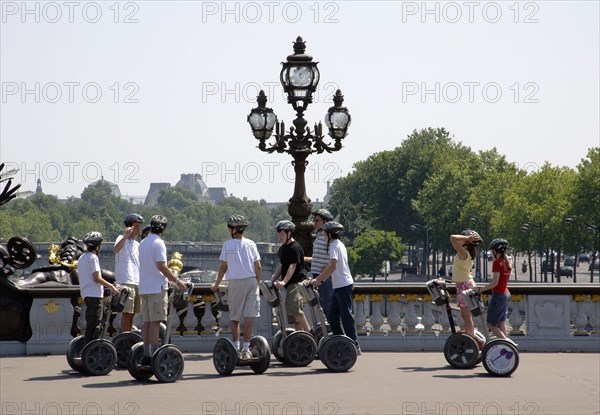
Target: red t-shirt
[(499, 266)]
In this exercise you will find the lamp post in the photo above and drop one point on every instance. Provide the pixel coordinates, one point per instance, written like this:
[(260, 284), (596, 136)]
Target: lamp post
[(595, 247), (299, 78), (425, 264)]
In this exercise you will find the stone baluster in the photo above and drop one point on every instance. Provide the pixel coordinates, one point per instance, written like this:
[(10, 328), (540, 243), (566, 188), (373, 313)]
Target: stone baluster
[(190, 320), (199, 308), (394, 319), (444, 322), (208, 320), (411, 319), (580, 320), (359, 313), (515, 319), (595, 318), (428, 320), (376, 317)]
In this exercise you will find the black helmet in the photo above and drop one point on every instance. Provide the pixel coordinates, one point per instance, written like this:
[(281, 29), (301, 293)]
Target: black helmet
[(324, 213), (469, 232), (285, 225), (132, 218), (145, 231), (92, 239), (333, 228), (499, 244), (237, 222), (158, 223)]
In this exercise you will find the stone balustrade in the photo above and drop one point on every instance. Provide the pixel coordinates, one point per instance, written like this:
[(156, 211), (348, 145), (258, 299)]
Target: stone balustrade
[(389, 317)]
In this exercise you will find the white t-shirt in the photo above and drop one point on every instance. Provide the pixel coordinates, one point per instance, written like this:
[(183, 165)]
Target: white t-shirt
[(341, 276), (127, 262), (152, 250), (87, 264), (240, 255)]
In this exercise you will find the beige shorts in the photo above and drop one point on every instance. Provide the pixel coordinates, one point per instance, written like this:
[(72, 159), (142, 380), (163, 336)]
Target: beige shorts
[(133, 303), (293, 303), (243, 299), (154, 307)]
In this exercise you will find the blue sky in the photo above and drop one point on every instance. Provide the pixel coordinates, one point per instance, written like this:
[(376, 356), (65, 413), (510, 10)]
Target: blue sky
[(140, 92)]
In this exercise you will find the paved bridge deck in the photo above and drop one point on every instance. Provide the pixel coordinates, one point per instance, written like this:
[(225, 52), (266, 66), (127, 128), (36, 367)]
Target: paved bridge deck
[(380, 383)]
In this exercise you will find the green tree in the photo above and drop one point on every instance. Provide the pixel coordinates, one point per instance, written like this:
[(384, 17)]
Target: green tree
[(372, 248)]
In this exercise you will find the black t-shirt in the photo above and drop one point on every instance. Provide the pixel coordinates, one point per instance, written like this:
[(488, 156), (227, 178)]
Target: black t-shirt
[(292, 254)]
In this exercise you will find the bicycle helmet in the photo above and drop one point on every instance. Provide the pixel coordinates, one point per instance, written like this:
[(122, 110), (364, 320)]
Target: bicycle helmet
[(499, 245), (333, 228), (132, 218), (158, 223), (324, 214), (285, 225), (92, 239), (237, 222), (469, 232)]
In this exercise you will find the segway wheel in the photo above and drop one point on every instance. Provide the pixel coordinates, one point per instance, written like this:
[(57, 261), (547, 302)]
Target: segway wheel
[(134, 361), (74, 353), (275, 346), (461, 351), (123, 343), (318, 333), (500, 357), (338, 353), (99, 357), (260, 348), (167, 363), (299, 348), (224, 357)]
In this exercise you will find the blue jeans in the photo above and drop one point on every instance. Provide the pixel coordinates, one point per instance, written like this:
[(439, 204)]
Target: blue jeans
[(340, 314), (325, 294)]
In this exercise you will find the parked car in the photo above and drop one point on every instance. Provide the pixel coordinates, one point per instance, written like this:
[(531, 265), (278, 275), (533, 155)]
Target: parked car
[(584, 257), (547, 266), (570, 261), (596, 266), (565, 271)]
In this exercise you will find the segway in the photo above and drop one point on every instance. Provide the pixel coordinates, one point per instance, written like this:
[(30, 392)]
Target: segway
[(337, 351), (225, 355), (167, 361), (124, 341), (290, 347), (461, 350), (500, 357), (99, 356)]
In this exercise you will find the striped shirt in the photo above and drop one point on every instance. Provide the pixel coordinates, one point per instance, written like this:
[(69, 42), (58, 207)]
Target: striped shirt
[(320, 257)]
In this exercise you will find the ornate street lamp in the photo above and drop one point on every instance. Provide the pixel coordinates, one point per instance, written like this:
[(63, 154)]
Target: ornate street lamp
[(299, 78)]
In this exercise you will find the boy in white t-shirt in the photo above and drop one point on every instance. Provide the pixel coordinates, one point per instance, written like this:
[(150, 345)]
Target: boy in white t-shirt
[(154, 277), (127, 267), (91, 285), (240, 263), (340, 313)]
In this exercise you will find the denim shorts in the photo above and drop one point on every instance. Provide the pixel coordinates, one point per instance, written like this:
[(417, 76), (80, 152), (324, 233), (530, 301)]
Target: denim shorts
[(497, 308)]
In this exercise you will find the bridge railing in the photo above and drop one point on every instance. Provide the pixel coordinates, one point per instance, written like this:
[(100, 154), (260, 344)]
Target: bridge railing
[(389, 317)]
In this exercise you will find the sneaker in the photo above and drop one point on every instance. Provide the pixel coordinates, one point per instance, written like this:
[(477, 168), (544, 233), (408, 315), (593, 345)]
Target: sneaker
[(146, 361), (358, 350), (245, 355)]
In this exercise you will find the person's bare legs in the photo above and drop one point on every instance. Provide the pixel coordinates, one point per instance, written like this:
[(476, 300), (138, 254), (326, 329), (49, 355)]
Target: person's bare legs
[(467, 317), (126, 322), (248, 328)]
